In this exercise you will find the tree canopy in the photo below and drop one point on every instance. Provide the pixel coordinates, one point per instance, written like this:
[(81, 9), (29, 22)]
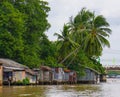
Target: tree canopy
[(88, 33), (22, 27), (22, 36)]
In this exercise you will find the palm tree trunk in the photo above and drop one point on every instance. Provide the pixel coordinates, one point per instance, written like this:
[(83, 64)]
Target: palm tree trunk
[(70, 54)]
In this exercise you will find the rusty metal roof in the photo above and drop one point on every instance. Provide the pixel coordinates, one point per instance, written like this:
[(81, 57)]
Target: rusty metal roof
[(45, 68)]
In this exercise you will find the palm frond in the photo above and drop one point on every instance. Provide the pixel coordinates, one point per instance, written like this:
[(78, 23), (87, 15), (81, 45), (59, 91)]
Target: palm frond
[(104, 41), (100, 21), (107, 30), (60, 37)]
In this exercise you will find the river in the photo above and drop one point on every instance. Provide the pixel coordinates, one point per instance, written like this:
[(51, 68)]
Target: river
[(109, 89)]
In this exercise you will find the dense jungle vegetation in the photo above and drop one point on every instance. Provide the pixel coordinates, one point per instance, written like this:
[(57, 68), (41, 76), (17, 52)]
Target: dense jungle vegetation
[(22, 36)]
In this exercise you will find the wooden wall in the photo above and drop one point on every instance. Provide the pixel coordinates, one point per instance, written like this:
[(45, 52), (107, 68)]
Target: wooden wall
[(1, 74)]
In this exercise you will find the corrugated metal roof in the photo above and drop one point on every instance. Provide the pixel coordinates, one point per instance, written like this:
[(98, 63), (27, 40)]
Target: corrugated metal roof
[(45, 68), (93, 70), (30, 71), (13, 68), (10, 63)]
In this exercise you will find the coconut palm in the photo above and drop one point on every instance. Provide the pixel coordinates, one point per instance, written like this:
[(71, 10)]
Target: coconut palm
[(79, 25), (90, 32), (96, 37), (65, 44)]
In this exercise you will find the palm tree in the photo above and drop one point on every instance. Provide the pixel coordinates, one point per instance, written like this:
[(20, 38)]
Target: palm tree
[(79, 25), (96, 37), (90, 32), (65, 44)]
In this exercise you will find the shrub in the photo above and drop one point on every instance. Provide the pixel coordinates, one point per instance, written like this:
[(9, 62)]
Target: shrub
[(18, 82), (26, 81)]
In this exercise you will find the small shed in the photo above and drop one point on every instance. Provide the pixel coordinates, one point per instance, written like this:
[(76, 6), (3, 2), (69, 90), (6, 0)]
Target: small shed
[(70, 76), (73, 77), (91, 76), (13, 72), (45, 75), (37, 72), (58, 74), (66, 75), (31, 75)]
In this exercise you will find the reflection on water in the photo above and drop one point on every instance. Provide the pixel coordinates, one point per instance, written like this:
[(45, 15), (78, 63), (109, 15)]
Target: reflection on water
[(109, 89)]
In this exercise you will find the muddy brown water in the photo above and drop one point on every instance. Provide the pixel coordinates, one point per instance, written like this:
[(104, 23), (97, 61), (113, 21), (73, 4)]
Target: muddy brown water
[(109, 89)]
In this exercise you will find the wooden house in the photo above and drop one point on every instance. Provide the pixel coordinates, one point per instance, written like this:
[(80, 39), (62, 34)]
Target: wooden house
[(14, 72), (91, 76), (70, 76), (58, 75), (44, 75), (66, 75), (73, 77), (38, 74), (30, 74)]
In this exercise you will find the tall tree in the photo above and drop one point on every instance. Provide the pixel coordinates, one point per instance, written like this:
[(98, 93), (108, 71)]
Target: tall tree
[(25, 22), (11, 31), (48, 52), (90, 32), (36, 12), (65, 43), (79, 25), (96, 38)]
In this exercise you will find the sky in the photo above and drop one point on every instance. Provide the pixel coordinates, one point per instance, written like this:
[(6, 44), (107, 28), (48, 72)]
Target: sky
[(62, 10)]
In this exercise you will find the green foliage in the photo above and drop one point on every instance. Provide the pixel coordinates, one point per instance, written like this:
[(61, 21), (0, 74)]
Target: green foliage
[(113, 73), (18, 83), (91, 32), (65, 43), (11, 30), (22, 37), (36, 23), (22, 27), (26, 81), (48, 52), (57, 65), (88, 33)]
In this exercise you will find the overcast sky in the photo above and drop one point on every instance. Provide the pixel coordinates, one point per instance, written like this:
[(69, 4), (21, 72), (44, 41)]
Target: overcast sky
[(61, 10)]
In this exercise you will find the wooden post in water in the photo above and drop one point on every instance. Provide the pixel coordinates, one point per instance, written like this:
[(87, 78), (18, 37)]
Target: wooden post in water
[(103, 78), (1, 74)]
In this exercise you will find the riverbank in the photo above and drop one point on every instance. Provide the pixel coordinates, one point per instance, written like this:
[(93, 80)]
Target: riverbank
[(108, 89), (13, 73)]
